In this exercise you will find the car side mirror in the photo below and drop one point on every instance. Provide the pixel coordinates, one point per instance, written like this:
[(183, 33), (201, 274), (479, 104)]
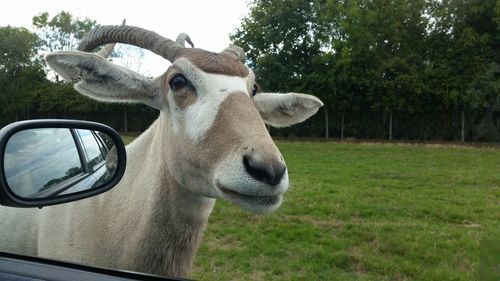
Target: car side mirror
[(48, 162)]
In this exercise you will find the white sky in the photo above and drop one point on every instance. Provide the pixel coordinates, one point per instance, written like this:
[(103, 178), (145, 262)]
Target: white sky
[(208, 22)]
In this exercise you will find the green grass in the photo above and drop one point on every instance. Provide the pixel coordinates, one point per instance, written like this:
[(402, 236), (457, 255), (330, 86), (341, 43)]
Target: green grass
[(363, 212), (489, 260)]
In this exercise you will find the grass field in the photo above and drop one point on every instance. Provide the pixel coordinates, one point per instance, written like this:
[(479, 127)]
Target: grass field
[(363, 212)]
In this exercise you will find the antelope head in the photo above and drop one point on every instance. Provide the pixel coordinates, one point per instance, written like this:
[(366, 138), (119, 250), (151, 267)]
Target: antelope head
[(216, 141)]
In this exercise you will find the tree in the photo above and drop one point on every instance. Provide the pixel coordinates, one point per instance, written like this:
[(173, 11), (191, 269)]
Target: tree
[(61, 32), (21, 70), (426, 61), (379, 48), (280, 43), (479, 32)]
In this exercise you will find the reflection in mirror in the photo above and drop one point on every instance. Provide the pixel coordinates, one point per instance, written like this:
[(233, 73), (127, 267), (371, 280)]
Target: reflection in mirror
[(45, 162)]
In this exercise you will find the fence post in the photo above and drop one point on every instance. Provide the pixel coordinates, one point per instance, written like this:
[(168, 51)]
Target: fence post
[(342, 127), (390, 125), (326, 123), (463, 126)]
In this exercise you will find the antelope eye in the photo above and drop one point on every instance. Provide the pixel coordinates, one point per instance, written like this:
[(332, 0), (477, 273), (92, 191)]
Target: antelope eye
[(177, 82), (254, 91)]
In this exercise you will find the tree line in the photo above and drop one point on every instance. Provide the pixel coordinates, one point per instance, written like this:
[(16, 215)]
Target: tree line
[(385, 69)]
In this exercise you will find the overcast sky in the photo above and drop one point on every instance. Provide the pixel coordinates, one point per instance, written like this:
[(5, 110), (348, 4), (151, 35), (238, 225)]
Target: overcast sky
[(208, 22)]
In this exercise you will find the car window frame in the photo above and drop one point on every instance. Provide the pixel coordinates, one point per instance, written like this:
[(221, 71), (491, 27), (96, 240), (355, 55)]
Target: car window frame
[(102, 149), (86, 158)]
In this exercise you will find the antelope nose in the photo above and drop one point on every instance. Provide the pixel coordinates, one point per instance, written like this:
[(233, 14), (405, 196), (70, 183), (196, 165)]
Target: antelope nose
[(270, 172)]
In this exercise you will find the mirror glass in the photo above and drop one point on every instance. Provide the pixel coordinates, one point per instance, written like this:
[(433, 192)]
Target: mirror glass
[(47, 162)]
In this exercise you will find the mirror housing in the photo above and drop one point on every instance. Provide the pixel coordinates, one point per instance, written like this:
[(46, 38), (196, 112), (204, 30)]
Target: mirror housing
[(60, 185)]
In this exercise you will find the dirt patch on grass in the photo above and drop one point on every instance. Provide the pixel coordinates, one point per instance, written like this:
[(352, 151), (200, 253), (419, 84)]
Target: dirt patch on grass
[(223, 243), (313, 221)]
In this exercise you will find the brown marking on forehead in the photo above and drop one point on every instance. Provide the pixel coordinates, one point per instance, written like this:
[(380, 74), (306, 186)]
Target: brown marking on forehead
[(213, 62)]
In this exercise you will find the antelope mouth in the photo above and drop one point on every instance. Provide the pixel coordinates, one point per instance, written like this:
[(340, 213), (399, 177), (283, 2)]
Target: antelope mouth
[(252, 202)]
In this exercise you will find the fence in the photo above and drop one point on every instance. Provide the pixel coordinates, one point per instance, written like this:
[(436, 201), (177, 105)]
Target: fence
[(453, 125)]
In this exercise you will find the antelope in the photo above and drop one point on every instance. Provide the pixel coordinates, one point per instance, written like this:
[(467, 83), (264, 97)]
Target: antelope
[(210, 141)]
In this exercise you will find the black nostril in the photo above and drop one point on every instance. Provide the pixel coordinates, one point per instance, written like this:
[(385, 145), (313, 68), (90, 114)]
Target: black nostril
[(263, 171)]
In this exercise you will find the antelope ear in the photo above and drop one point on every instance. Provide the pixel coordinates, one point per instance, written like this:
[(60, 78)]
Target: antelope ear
[(103, 80), (282, 110)]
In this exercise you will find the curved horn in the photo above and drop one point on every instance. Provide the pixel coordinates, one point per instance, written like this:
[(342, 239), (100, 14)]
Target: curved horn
[(108, 49), (182, 38), (131, 35), (236, 52)]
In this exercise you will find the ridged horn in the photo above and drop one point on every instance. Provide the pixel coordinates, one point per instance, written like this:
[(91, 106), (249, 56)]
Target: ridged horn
[(131, 35), (108, 49)]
